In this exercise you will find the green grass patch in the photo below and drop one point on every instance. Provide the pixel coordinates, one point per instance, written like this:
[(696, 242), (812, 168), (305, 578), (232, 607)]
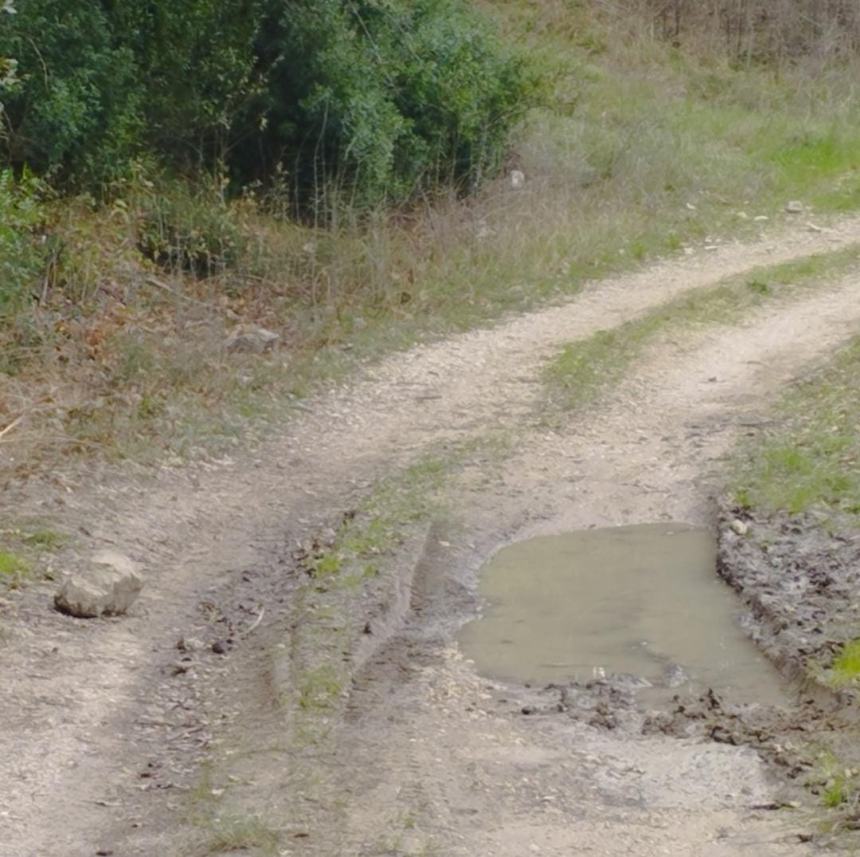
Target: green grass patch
[(45, 540), (378, 525), (14, 569), (586, 367), (240, 833), (845, 669), (813, 459)]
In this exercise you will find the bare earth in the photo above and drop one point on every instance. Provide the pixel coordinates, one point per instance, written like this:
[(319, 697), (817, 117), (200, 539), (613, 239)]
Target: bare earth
[(106, 745)]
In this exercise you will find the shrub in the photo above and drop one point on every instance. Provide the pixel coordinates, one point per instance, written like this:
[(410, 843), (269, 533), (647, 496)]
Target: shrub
[(195, 65), (373, 99), (380, 99)]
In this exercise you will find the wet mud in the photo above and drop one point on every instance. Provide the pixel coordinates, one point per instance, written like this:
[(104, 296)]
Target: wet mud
[(800, 580)]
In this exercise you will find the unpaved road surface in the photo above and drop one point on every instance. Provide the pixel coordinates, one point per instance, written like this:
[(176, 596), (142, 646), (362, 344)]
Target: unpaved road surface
[(110, 743)]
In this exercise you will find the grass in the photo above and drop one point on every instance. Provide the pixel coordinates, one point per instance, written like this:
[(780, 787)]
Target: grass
[(837, 784), (45, 540), (378, 525), (638, 151), (242, 834), (14, 569), (813, 460), (319, 688), (227, 832), (586, 367), (360, 565), (26, 551), (359, 558), (845, 669)]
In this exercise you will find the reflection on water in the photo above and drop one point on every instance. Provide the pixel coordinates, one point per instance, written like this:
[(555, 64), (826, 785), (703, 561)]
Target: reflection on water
[(641, 600)]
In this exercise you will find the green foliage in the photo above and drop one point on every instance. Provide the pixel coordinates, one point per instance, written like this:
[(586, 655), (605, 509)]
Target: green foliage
[(13, 569), (812, 461), (373, 99), (380, 99), (73, 111), (846, 665), (196, 67), (21, 255)]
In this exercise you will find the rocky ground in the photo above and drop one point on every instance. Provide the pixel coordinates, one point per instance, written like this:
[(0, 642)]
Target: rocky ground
[(245, 705)]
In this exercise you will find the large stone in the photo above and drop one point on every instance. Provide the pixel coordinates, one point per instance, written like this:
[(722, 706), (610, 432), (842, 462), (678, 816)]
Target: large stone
[(251, 339), (107, 588)]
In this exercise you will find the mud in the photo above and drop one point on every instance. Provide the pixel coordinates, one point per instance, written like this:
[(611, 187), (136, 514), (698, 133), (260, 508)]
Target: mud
[(801, 581), (800, 577)]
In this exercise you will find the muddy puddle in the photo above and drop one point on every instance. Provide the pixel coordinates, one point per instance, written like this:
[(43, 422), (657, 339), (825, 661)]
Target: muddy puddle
[(639, 601)]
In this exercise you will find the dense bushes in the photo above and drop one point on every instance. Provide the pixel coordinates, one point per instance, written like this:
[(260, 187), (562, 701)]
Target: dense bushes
[(377, 98), (386, 98), (74, 110)]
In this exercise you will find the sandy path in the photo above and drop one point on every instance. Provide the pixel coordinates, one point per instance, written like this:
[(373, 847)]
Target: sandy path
[(84, 705)]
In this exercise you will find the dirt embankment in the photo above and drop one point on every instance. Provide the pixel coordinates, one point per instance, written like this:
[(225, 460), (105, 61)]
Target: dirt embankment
[(800, 577)]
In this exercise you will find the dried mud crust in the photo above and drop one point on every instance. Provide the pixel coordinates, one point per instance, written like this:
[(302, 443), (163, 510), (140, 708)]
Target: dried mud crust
[(801, 582)]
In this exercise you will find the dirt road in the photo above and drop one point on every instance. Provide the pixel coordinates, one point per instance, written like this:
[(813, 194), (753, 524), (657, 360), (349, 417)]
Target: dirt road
[(112, 744)]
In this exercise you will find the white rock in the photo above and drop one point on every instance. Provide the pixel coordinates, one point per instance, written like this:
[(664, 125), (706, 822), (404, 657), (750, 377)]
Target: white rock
[(740, 527), (795, 206), (108, 588), (251, 339), (518, 179)]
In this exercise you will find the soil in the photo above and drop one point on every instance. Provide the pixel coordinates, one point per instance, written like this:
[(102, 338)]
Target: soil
[(801, 580), (164, 732)]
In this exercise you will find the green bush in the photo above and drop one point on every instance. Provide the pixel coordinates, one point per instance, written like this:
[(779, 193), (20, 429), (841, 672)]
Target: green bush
[(376, 99), (196, 66), (22, 253), (73, 110), (380, 99)]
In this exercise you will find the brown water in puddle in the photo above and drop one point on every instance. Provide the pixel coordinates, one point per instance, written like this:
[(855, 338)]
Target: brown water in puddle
[(641, 600)]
